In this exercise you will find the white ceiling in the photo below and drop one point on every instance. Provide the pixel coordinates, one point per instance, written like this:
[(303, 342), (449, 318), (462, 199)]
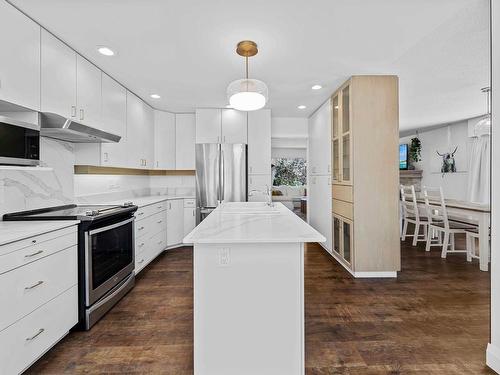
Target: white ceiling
[(184, 50)]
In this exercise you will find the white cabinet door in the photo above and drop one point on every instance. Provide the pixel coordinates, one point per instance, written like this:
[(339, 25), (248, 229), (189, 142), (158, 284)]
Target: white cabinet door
[(135, 130), (58, 76), (208, 125), (319, 207), (148, 136), (185, 133), (259, 184), (320, 135), (234, 126), (189, 220), (164, 139), (88, 92), (114, 120), (19, 57), (259, 142), (175, 222)]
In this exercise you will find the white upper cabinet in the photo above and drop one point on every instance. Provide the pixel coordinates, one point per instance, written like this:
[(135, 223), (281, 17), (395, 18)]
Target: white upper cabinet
[(319, 141), (19, 58), (58, 76), (135, 130), (114, 120), (208, 125), (88, 92), (164, 140), (185, 133), (148, 136), (259, 142), (234, 126), (113, 107)]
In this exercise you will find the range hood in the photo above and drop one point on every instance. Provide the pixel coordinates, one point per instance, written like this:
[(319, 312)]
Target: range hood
[(59, 127)]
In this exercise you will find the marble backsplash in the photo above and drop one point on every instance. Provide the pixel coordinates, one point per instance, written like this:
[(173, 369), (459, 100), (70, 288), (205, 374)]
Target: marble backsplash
[(54, 183), (51, 184)]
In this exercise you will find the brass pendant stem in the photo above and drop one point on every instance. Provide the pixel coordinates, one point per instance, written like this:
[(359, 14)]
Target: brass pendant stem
[(246, 65)]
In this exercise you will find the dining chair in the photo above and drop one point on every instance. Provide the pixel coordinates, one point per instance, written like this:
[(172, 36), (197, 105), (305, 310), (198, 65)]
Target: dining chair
[(411, 215), (471, 235), (438, 221)]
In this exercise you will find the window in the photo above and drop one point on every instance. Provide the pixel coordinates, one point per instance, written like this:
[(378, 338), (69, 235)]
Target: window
[(291, 172)]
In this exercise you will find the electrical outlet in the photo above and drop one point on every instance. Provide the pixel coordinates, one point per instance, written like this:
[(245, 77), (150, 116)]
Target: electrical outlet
[(224, 257)]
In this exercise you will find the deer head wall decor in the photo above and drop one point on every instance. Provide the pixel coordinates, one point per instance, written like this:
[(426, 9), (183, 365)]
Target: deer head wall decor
[(448, 161)]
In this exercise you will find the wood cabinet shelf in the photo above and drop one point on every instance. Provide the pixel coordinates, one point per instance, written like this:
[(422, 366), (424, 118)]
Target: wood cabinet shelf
[(92, 169)]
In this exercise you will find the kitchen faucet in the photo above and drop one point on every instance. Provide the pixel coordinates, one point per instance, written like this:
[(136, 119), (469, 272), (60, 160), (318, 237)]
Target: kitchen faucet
[(267, 193)]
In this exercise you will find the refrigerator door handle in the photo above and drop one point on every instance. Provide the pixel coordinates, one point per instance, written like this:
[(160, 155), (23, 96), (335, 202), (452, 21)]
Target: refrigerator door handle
[(223, 182)]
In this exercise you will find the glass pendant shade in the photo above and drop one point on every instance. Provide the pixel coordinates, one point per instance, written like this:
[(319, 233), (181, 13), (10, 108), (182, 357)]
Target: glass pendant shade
[(247, 94)]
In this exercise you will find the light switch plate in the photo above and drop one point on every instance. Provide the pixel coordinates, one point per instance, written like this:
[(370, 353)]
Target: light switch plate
[(224, 257)]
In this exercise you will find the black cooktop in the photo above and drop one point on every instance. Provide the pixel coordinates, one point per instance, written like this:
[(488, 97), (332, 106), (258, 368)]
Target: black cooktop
[(72, 212)]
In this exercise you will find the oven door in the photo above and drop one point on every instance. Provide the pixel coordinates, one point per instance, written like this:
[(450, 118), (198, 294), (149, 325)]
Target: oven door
[(109, 257)]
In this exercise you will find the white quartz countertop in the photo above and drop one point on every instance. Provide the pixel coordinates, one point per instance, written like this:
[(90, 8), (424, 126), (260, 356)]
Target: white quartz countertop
[(233, 225), (150, 199), (11, 231)]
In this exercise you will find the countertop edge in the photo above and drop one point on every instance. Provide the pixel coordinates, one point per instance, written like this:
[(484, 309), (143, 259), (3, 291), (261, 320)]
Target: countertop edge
[(55, 225)]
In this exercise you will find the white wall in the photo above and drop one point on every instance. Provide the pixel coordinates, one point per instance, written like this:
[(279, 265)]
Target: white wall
[(289, 137), (493, 352), (441, 139)]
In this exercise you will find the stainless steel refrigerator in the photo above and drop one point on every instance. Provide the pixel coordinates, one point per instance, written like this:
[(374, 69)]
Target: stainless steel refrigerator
[(221, 175)]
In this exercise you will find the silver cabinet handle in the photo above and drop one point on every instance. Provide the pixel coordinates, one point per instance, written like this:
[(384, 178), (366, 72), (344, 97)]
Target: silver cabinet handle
[(140, 213), (141, 261), (193, 212), (34, 254), (73, 111), (169, 205), (33, 241), (40, 331), (81, 114), (160, 207), (140, 228), (160, 242), (34, 285), (159, 222), (141, 244)]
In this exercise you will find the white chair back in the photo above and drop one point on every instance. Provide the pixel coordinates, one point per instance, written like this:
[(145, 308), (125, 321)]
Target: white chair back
[(409, 201), (435, 205)]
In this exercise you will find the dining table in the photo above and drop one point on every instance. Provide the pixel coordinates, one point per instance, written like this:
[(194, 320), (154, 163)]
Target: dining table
[(472, 213)]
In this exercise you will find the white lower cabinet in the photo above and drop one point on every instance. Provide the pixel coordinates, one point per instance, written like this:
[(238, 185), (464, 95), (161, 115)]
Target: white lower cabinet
[(319, 207), (39, 283), (175, 220)]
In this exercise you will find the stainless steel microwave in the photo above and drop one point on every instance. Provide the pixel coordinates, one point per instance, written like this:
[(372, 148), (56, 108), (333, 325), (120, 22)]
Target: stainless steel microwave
[(19, 142)]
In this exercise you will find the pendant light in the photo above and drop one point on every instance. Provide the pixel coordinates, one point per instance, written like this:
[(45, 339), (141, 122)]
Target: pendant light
[(483, 126), (247, 94)]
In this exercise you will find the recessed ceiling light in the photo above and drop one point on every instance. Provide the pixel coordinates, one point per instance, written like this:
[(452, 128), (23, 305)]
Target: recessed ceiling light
[(103, 50), (301, 106), (317, 87), (155, 96)]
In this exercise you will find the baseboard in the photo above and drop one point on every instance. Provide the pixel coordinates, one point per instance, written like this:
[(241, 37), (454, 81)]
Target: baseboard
[(362, 275), (376, 274), (493, 357)]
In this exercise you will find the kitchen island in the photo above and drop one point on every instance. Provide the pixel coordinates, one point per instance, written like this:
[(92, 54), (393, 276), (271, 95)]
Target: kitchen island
[(249, 290)]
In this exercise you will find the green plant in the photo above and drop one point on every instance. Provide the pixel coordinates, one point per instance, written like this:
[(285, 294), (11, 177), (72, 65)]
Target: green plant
[(415, 150)]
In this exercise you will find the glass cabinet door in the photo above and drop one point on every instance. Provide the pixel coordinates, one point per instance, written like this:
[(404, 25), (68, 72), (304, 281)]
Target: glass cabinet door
[(347, 240), (335, 117), (346, 158), (336, 234), (336, 159), (346, 121)]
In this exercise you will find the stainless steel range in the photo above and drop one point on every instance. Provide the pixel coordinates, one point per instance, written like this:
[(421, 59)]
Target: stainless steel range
[(105, 253)]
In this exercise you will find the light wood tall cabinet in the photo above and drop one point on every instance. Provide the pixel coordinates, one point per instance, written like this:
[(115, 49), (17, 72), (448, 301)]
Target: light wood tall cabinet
[(365, 137)]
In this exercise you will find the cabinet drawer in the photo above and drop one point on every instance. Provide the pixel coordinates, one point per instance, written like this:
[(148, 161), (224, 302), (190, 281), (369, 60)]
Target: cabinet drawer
[(151, 225), (189, 203), (145, 211), (342, 208), (26, 340), (150, 250), (24, 289), (342, 192), (159, 242), (34, 248)]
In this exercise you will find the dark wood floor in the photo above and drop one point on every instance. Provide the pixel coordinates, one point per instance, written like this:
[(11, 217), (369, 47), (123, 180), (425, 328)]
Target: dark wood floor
[(434, 319)]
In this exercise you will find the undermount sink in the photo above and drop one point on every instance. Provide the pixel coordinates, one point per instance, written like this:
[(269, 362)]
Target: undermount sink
[(260, 208)]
